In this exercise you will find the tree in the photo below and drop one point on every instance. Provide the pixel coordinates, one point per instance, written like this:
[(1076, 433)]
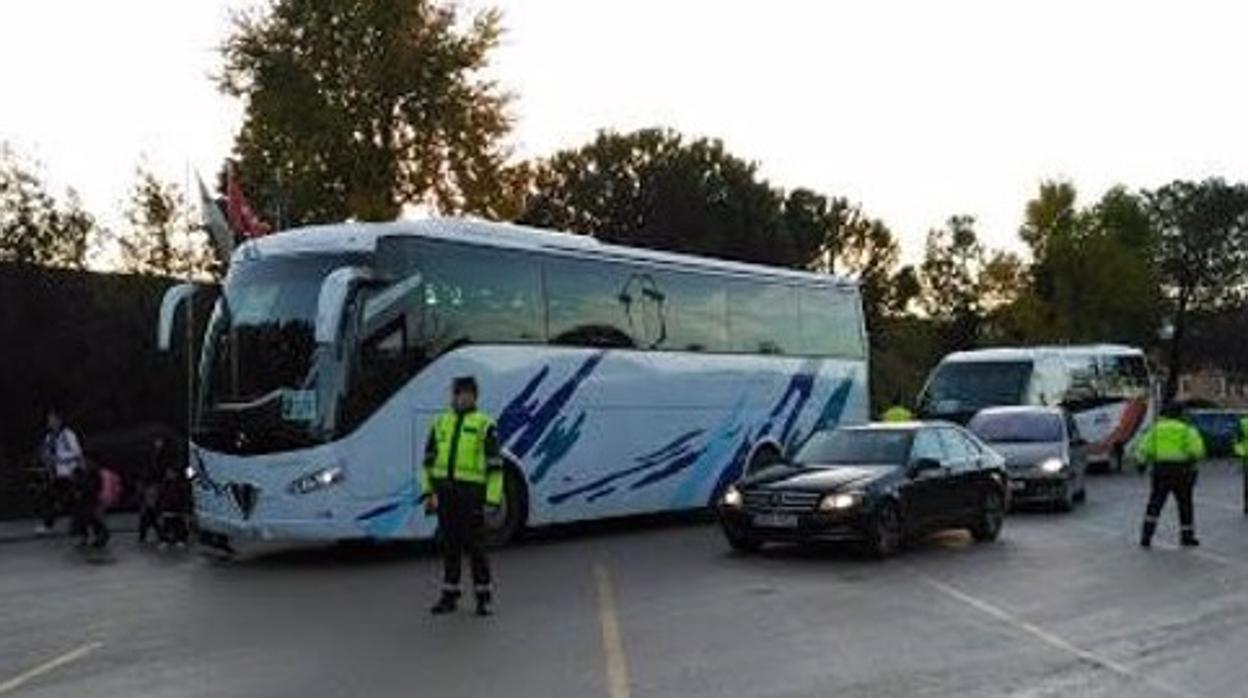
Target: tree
[(963, 283), (35, 228), (162, 237), (355, 108), (1202, 254), (652, 189)]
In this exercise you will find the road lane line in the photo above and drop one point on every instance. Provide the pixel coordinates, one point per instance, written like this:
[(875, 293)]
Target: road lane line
[(612, 643), (1049, 638), (51, 665)]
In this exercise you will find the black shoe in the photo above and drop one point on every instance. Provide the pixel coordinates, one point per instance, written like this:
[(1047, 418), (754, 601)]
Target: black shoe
[(1146, 543), (1189, 542), (485, 605), (446, 604)]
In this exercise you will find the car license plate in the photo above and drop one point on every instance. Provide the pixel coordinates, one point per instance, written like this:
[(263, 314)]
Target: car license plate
[(1017, 485), (776, 520)]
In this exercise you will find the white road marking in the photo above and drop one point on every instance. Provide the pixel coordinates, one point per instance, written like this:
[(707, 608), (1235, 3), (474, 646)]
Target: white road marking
[(51, 665), (612, 643), (1049, 638)]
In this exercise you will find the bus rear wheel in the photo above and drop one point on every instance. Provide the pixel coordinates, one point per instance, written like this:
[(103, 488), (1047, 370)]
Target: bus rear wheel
[(505, 522)]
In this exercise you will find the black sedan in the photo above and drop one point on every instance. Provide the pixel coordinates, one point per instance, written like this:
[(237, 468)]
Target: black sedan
[(878, 484)]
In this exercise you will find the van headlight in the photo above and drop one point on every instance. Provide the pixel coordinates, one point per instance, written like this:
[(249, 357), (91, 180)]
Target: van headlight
[(318, 480), (732, 498), (840, 502), (1052, 466)]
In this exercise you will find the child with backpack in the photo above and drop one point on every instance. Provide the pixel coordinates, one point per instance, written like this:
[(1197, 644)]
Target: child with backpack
[(174, 507)]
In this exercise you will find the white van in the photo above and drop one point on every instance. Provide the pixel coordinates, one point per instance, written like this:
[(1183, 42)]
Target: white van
[(1107, 389)]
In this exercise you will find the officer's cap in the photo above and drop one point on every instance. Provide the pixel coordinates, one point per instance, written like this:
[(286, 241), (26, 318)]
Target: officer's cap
[(464, 384)]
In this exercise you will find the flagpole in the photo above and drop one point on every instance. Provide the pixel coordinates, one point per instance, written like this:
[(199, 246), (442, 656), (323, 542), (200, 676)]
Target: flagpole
[(190, 339)]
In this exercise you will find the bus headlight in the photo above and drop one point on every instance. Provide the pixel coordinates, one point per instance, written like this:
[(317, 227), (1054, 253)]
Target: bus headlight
[(840, 502), (316, 481), (1052, 466), (732, 498)]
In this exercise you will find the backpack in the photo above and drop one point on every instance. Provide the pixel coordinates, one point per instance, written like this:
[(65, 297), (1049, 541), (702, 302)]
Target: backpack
[(110, 489)]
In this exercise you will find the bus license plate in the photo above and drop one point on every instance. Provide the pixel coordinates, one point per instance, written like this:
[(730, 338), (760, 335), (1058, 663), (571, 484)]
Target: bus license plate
[(1017, 485), (775, 520)]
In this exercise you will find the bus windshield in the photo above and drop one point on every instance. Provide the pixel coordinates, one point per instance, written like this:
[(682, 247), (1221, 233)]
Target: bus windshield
[(965, 387), (258, 370)]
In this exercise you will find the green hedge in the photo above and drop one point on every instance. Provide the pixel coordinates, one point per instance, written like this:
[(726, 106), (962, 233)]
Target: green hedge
[(86, 343)]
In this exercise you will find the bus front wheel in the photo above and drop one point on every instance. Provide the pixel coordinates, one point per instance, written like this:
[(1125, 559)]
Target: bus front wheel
[(504, 522)]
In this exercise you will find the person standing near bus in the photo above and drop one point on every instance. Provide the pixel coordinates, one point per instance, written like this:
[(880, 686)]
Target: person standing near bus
[(1241, 450), (898, 412), (462, 474), (62, 459), (1172, 447)]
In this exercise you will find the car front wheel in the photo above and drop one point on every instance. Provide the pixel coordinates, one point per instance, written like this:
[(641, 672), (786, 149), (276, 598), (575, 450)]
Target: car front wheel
[(741, 541), (886, 534), (991, 516)]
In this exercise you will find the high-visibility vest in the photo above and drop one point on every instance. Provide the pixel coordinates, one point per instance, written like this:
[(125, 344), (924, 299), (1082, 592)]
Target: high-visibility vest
[(459, 442), (1170, 441), (897, 413)]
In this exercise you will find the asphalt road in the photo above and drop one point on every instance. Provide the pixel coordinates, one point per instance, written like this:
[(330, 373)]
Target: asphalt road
[(1062, 605)]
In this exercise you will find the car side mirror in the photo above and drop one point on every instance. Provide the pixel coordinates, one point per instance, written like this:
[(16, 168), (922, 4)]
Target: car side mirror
[(925, 465)]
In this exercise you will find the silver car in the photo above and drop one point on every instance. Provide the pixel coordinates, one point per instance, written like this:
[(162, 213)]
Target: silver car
[(1045, 458)]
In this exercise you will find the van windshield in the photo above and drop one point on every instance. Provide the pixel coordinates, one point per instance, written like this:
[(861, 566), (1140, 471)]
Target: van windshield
[(1017, 427), (965, 387)]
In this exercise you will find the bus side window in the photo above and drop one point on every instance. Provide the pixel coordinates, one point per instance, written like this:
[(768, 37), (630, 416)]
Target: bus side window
[(696, 312), (831, 323), (762, 317), (596, 304)]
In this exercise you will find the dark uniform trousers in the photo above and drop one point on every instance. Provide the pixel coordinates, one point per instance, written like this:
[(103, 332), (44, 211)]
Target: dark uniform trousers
[(461, 530), (1171, 478)]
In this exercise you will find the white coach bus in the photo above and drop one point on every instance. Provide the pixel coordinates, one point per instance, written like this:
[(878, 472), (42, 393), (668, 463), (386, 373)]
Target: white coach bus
[(623, 381), (1106, 388)]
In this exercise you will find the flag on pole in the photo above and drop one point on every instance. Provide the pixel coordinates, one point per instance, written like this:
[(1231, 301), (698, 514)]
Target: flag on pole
[(242, 218), (215, 223)]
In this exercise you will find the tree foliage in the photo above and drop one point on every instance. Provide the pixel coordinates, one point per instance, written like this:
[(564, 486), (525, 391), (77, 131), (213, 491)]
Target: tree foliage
[(355, 108), (1202, 253), (162, 236), (36, 228)]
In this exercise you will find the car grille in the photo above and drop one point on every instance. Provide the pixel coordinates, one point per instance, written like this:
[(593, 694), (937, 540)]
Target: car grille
[(788, 502)]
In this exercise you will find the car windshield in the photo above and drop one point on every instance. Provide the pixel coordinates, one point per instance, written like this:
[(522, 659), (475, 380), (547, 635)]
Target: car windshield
[(258, 366), (1017, 427), (968, 386), (855, 447)]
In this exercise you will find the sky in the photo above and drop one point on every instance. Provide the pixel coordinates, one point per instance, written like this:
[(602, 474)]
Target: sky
[(917, 110)]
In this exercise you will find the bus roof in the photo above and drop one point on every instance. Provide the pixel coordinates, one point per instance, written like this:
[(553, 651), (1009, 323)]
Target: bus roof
[(1028, 353), (363, 237)]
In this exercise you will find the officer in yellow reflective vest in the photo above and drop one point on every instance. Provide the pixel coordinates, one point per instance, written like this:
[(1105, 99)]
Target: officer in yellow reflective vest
[(461, 475), (1241, 450), (898, 412), (1173, 448)]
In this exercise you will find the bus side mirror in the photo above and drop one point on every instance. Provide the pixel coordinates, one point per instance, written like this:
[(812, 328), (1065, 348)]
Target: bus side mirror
[(335, 290), (172, 301)]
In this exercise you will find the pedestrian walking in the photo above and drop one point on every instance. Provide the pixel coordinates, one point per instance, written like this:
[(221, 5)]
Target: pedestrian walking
[(62, 458), (92, 500), (1241, 450), (1172, 448), (461, 475), (150, 484), (174, 506)]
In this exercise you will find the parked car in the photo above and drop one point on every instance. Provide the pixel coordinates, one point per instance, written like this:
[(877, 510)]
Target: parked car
[(1220, 429), (878, 485), (1046, 460)]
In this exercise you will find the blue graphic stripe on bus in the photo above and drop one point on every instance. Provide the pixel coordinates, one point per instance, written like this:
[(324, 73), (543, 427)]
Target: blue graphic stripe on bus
[(555, 445), (378, 511), (834, 407), (526, 418), (669, 448), (391, 519), (595, 496), (672, 467)]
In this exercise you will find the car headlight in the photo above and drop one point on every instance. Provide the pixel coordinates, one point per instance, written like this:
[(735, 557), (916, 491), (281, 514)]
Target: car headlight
[(840, 502), (317, 480), (1052, 465), (732, 498)]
